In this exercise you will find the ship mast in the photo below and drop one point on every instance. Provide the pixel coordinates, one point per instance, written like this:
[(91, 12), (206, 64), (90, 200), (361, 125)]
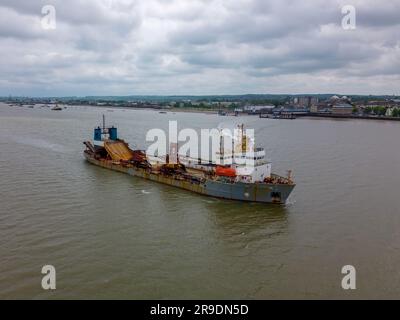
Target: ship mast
[(244, 139)]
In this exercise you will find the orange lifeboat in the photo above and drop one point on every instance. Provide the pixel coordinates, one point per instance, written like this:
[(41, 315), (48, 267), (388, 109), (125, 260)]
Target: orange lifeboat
[(225, 172)]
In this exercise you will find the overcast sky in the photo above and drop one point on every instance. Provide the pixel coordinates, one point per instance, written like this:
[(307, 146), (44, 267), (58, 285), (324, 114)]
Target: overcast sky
[(165, 47)]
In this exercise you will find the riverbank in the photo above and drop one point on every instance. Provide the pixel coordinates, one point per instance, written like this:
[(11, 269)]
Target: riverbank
[(340, 116), (212, 111)]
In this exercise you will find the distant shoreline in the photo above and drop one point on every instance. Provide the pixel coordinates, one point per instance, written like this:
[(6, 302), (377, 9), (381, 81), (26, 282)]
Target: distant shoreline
[(339, 116), (208, 111)]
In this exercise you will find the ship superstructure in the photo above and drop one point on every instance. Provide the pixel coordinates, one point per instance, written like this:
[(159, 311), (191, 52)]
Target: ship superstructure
[(241, 160)]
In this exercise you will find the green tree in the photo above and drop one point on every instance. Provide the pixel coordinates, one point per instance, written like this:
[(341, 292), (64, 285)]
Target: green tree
[(382, 111), (379, 110)]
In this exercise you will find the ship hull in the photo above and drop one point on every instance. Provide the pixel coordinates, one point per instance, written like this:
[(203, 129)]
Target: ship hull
[(258, 192)]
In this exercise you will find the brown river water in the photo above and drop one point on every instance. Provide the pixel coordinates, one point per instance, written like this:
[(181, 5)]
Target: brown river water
[(110, 235)]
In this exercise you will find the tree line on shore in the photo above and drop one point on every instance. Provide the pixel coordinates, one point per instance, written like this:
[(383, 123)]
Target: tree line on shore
[(381, 111)]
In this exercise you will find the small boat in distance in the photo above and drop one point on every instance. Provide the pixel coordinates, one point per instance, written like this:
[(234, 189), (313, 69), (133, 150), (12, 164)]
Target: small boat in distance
[(281, 115), (56, 108)]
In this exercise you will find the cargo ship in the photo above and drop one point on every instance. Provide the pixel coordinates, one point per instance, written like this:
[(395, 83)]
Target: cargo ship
[(220, 179)]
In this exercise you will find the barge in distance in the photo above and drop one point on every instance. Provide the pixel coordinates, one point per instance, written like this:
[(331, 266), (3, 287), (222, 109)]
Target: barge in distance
[(233, 181)]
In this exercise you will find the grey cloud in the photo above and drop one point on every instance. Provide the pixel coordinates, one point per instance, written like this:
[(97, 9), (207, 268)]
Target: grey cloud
[(197, 47)]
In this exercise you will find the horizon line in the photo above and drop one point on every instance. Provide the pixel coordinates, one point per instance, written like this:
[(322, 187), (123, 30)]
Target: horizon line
[(196, 95)]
